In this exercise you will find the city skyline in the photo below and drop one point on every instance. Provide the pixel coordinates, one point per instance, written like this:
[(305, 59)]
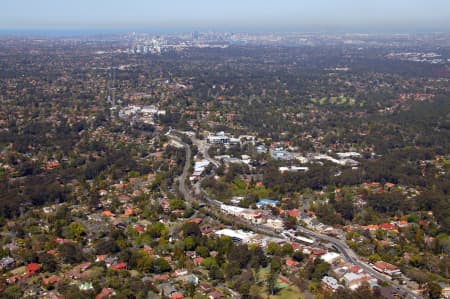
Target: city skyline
[(287, 15)]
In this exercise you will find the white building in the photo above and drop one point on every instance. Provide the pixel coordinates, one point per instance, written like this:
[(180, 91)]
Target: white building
[(284, 169), (200, 166), (238, 236), (331, 257), (232, 210), (219, 138), (331, 283), (355, 280), (348, 155), (248, 214)]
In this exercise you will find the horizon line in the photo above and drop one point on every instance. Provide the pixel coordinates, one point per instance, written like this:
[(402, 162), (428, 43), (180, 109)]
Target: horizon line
[(113, 31)]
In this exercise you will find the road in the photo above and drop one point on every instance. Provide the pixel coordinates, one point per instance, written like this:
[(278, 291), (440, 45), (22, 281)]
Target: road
[(348, 254), (182, 186), (352, 257), (203, 148)]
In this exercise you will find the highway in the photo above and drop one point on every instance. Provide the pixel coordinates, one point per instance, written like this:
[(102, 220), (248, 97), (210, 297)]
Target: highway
[(182, 186), (348, 254)]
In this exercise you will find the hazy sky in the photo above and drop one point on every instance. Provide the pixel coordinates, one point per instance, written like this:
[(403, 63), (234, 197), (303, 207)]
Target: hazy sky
[(362, 15)]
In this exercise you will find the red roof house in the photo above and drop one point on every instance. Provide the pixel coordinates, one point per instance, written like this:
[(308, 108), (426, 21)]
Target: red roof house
[(294, 213), (177, 295), (33, 267), (291, 263), (51, 280), (105, 293), (119, 266), (387, 226)]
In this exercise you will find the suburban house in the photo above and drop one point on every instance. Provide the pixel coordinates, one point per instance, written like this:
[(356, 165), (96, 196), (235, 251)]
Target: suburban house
[(7, 262), (330, 283)]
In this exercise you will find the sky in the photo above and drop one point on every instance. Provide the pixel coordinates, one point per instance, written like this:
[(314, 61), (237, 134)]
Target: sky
[(236, 15)]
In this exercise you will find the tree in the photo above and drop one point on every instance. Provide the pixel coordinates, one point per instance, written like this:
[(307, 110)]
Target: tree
[(203, 251), (160, 265), (177, 204), (290, 222), (189, 243), (316, 270), (209, 263), (434, 290), (215, 273), (157, 229), (374, 258), (191, 229), (75, 230), (106, 246), (190, 289), (287, 249), (254, 292), (258, 258), (275, 265), (239, 254), (141, 261), (298, 256), (231, 269), (70, 253), (12, 292), (273, 248), (48, 261)]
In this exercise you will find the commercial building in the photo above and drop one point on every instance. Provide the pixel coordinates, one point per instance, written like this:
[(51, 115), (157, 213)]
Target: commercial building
[(219, 138), (284, 169), (238, 236), (386, 268)]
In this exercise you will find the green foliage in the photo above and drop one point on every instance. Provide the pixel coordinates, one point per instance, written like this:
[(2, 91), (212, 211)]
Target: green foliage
[(274, 249), (298, 256), (106, 246), (191, 229), (189, 243), (157, 230), (209, 263), (374, 258), (48, 262), (70, 253), (160, 265), (203, 251), (275, 265), (177, 204), (75, 230), (287, 250), (13, 292), (317, 269), (434, 290)]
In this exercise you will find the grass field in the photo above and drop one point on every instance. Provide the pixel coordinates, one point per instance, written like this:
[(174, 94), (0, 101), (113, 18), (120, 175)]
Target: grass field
[(291, 292)]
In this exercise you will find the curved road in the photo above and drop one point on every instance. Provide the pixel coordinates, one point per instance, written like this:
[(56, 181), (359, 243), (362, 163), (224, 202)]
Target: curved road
[(340, 246)]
